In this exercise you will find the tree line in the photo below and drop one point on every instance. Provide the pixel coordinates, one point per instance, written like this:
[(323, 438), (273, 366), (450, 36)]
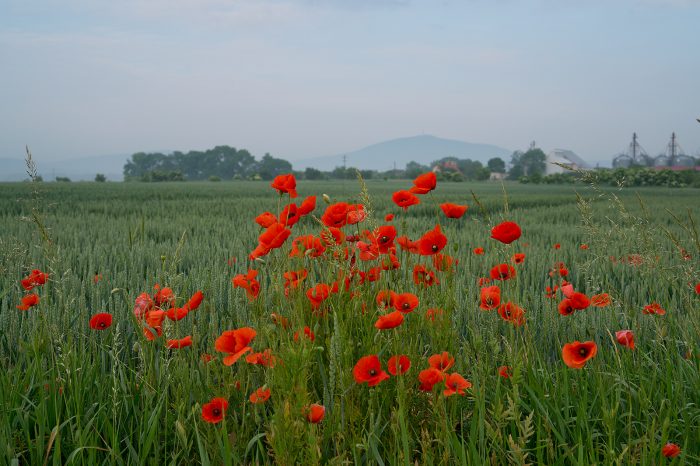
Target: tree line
[(221, 162)]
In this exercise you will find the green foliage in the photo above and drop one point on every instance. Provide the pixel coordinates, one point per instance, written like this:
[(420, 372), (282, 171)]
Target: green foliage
[(62, 179), (530, 163), (496, 165), (313, 174), (70, 395), (630, 177), (214, 178), (100, 178), (222, 161)]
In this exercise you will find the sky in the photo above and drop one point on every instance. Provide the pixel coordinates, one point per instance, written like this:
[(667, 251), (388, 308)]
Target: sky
[(306, 78)]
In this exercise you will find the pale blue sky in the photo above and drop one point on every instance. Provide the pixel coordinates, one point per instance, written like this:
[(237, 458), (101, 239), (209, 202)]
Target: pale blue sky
[(302, 78)]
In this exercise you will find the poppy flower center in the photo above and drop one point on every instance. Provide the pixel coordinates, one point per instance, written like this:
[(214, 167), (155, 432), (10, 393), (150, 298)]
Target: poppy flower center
[(216, 412), (434, 248), (384, 239), (583, 352), (406, 305), (102, 324), (372, 372)]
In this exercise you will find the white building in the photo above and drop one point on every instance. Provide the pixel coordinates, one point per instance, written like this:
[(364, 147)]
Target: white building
[(565, 157)]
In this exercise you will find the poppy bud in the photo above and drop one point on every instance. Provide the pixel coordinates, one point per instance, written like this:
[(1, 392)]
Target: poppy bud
[(326, 199)]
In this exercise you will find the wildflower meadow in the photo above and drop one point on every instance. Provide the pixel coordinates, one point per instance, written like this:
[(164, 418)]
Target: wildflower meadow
[(307, 322)]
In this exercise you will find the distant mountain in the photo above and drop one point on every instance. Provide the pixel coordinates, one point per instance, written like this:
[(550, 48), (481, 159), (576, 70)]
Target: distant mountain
[(77, 169), (422, 149)]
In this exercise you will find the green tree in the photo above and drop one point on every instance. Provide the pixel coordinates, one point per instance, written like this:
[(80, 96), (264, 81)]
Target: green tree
[(313, 174), (496, 165), (413, 169), (532, 162), (100, 178), (269, 167)]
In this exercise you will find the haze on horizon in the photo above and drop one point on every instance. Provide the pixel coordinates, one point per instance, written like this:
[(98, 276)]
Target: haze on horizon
[(306, 78)]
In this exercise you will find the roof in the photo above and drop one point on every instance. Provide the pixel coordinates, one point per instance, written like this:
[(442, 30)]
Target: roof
[(568, 155)]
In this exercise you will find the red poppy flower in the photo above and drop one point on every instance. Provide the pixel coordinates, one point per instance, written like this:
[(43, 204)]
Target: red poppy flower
[(506, 232), (557, 246), (512, 313), (151, 333), (153, 323), (504, 371), (265, 359), (388, 217), (293, 279), (266, 219), (356, 214), (176, 313), (28, 301), (164, 297), (654, 308), (179, 344), (518, 258), (478, 251), (565, 308), (432, 242), (97, 278), (289, 215), (399, 365), (404, 199), (490, 297), (671, 450), (385, 299), (384, 237), (455, 385), (441, 361), (248, 283), (315, 413), (576, 354), (318, 294), (453, 210), (502, 272), (583, 247), (579, 301), (307, 245), (405, 302), (214, 411), (428, 378), (601, 300), (697, 288), (260, 395), (285, 184), (101, 321), (307, 206), (424, 183), (336, 215), (307, 333), (423, 276), (235, 343), (35, 278), (368, 369), (625, 338), (274, 236), (408, 245), (142, 305), (332, 235), (389, 321)]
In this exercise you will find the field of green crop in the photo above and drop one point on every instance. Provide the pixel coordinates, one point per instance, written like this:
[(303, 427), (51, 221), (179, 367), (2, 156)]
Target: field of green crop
[(70, 394)]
